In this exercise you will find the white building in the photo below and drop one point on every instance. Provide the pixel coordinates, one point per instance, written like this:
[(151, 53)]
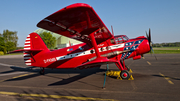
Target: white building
[(61, 41)]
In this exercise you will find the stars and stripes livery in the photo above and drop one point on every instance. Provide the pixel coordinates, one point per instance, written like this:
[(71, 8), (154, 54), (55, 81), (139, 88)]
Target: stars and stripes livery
[(27, 55)]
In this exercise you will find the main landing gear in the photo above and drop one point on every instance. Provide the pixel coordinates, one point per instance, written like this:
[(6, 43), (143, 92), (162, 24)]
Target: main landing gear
[(41, 71), (124, 73)]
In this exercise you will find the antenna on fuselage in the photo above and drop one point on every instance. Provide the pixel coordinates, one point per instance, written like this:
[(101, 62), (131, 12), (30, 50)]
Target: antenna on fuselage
[(69, 43), (112, 29)]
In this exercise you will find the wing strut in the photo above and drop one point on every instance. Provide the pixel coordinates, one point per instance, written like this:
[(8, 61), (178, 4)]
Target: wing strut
[(95, 45), (99, 59), (92, 36)]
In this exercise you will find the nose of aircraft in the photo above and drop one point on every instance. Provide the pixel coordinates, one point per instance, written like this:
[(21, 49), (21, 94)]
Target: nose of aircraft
[(149, 38), (144, 47)]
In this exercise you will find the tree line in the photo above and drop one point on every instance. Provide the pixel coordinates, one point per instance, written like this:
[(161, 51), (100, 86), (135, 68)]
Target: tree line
[(8, 41), (175, 44)]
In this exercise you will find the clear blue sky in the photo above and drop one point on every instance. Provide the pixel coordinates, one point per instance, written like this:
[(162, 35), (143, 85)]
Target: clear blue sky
[(129, 17)]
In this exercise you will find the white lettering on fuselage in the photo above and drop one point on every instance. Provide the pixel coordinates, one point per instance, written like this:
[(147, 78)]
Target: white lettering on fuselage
[(49, 60), (100, 45)]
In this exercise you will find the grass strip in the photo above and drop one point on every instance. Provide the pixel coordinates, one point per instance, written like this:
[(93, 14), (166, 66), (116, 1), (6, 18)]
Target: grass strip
[(167, 51)]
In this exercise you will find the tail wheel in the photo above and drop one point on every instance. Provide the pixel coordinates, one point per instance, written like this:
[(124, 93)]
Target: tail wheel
[(125, 74), (41, 71)]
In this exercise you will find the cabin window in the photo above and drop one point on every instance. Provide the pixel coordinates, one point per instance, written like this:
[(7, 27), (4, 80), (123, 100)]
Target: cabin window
[(120, 40), (112, 41), (125, 38)]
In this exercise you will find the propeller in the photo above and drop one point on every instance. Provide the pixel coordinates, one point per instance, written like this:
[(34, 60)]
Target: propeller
[(150, 42), (149, 38)]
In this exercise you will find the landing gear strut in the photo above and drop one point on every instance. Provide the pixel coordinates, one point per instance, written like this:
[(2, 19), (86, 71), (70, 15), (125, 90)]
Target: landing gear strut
[(41, 71), (124, 70)]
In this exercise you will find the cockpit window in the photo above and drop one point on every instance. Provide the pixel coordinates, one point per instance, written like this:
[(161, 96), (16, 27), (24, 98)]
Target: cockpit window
[(125, 38), (121, 39), (112, 41)]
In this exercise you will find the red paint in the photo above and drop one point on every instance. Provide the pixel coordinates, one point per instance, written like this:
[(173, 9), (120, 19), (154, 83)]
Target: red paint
[(125, 75), (137, 57), (80, 21)]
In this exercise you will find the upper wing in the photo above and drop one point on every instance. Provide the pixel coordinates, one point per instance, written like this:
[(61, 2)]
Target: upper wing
[(77, 21)]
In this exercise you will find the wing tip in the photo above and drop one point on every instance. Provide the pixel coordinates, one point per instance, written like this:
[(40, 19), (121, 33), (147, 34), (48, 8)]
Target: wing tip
[(78, 5)]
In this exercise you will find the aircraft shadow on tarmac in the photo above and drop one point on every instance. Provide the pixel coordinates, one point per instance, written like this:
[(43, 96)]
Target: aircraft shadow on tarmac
[(35, 72), (174, 78)]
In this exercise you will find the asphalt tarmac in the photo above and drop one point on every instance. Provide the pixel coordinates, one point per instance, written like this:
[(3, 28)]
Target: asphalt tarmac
[(154, 80)]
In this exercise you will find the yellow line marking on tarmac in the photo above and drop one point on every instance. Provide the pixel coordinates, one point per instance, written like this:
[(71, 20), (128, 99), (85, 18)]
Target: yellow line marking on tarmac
[(17, 77), (56, 96), (22, 75), (167, 78), (148, 62)]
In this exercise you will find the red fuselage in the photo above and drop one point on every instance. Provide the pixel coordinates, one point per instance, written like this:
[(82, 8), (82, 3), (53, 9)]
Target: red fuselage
[(73, 56)]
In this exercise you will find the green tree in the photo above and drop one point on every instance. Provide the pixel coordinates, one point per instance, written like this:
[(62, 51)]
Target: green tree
[(10, 36), (2, 44), (8, 41), (48, 39), (10, 46)]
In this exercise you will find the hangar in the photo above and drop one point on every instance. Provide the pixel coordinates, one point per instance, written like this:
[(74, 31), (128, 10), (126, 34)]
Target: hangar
[(61, 41)]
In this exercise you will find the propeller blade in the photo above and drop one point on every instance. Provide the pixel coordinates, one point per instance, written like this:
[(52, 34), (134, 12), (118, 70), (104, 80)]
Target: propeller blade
[(150, 42), (149, 35), (153, 53), (152, 50)]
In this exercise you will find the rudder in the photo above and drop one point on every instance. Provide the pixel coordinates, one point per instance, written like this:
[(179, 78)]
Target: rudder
[(33, 42)]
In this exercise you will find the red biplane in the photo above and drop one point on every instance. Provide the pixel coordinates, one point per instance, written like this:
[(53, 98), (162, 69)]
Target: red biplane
[(79, 21)]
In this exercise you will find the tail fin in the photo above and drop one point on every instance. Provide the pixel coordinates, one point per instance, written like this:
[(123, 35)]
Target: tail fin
[(34, 41), (32, 46)]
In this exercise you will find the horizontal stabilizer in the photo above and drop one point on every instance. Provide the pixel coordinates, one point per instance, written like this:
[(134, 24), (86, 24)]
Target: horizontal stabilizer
[(26, 50)]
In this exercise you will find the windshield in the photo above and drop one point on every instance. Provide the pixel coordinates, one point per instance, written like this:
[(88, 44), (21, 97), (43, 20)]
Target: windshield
[(121, 39), (125, 38)]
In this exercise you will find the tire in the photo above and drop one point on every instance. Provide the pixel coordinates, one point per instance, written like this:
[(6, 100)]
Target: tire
[(41, 72), (125, 74)]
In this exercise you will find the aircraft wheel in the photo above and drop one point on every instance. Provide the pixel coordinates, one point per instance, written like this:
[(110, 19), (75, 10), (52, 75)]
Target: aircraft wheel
[(41, 72), (125, 74)]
